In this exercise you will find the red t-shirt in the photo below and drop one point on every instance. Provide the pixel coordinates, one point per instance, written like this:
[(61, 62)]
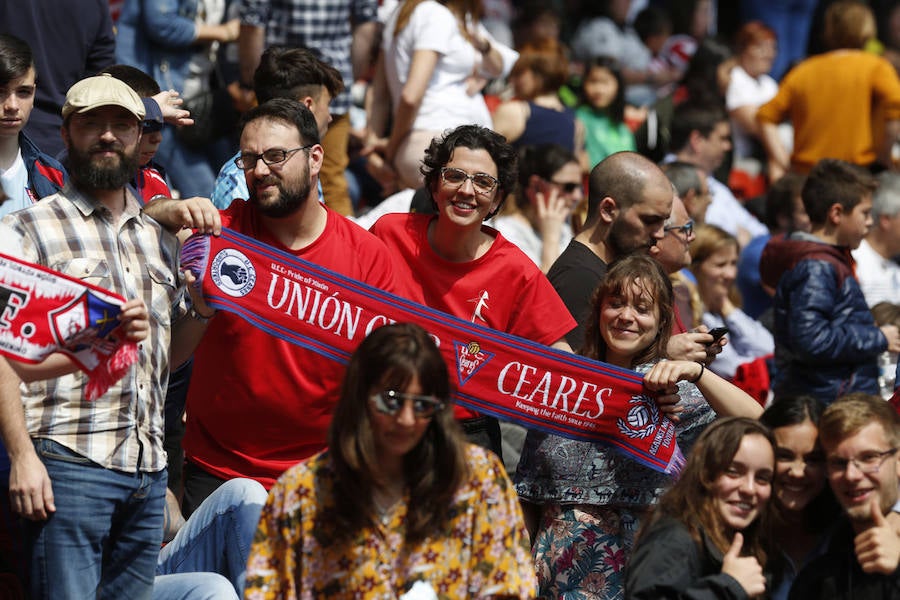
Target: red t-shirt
[(150, 184), (257, 405), (503, 289)]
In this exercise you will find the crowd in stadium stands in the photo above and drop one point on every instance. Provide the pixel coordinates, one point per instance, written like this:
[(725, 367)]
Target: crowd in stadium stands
[(699, 199)]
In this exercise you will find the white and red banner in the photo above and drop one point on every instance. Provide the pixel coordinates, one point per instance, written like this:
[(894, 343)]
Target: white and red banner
[(43, 311), (497, 374)]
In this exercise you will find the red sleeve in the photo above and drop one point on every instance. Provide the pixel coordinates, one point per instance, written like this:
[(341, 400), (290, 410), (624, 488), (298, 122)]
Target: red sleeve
[(540, 313)]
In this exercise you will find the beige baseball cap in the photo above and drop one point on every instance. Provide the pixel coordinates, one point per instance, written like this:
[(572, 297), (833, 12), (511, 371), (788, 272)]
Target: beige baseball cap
[(102, 90)]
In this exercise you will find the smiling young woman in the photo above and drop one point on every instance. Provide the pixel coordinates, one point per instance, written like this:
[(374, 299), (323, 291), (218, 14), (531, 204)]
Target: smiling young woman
[(591, 499), (454, 263), (706, 538), (804, 507)]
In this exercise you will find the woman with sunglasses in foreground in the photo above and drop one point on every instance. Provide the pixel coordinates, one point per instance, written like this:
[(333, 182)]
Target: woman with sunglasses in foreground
[(454, 263), (398, 500), (707, 537)]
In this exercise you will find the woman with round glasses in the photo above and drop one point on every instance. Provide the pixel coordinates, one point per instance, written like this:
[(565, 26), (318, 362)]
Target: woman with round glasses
[(454, 263), (550, 187), (398, 501)]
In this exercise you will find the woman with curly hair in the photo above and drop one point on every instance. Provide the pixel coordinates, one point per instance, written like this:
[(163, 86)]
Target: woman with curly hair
[(454, 263)]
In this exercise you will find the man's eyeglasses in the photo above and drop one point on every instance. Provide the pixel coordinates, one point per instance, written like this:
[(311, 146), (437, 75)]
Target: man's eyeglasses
[(390, 403), (867, 462), (686, 230), (482, 182), (273, 156), (568, 187)]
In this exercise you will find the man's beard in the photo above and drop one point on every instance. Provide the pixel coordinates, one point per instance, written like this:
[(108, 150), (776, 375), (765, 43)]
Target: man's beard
[(101, 175), (289, 199), (616, 240)]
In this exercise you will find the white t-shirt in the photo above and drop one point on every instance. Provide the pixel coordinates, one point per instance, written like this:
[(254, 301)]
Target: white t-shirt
[(727, 212), (446, 103), (746, 91), (10, 241), (879, 277), (14, 181), (523, 235)]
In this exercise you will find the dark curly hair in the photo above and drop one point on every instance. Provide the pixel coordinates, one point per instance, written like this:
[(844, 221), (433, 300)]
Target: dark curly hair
[(473, 137)]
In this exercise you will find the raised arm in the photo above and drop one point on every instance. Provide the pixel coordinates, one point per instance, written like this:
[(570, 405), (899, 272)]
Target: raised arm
[(724, 397)]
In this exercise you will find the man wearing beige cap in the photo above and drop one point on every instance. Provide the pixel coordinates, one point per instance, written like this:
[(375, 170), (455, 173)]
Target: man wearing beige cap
[(90, 476)]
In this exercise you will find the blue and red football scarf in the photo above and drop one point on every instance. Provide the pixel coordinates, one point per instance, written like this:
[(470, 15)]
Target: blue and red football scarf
[(508, 377), (43, 311)]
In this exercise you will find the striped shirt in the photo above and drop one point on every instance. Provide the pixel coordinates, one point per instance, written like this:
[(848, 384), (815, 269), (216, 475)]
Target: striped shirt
[(137, 258), (325, 27)]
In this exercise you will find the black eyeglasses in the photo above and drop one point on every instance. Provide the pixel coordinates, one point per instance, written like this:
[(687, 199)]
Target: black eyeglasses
[(568, 187), (867, 462), (272, 156), (687, 229), (482, 182), (390, 402)]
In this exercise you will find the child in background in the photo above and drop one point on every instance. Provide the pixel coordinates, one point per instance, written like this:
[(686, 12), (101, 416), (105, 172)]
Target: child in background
[(826, 340), (670, 53), (149, 182), (602, 111), (707, 537)]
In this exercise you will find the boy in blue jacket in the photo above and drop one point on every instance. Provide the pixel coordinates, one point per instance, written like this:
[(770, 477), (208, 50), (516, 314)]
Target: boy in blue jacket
[(826, 340)]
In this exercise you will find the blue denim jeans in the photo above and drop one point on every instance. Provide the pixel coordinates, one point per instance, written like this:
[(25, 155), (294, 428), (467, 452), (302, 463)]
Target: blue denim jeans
[(217, 536), (193, 586), (103, 539)]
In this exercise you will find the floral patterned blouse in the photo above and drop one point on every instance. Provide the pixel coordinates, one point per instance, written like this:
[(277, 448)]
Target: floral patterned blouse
[(482, 552), (562, 471)]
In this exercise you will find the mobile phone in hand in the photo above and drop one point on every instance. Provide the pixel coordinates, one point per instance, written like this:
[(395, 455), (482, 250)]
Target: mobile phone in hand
[(717, 334)]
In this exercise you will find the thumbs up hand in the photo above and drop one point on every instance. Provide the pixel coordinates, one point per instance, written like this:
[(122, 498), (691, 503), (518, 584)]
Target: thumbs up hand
[(878, 547), (745, 569)]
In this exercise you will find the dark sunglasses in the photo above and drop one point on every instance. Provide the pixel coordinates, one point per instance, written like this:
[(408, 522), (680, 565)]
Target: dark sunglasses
[(390, 403), (568, 187)]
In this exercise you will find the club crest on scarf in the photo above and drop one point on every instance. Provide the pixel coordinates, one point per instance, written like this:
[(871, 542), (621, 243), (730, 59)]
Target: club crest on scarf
[(469, 359), (233, 273), (641, 419)]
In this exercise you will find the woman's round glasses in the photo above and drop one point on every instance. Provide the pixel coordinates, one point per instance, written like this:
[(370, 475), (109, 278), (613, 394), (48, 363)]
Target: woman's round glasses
[(482, 182)]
